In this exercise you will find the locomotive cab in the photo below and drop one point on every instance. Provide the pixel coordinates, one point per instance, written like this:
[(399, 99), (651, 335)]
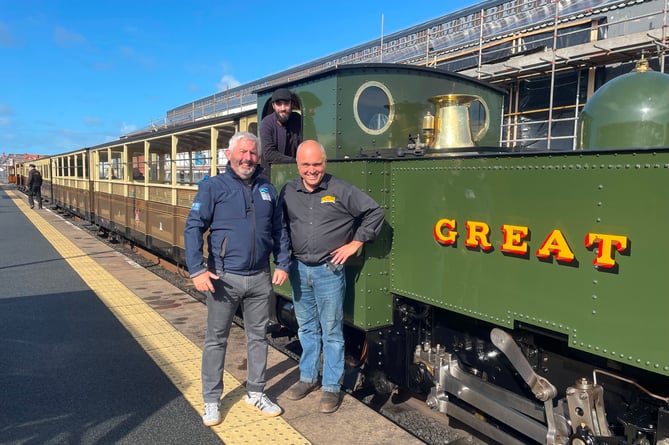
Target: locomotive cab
[(376, 109)]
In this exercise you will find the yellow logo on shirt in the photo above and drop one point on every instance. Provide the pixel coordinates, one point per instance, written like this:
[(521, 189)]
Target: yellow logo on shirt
[(328, 198)]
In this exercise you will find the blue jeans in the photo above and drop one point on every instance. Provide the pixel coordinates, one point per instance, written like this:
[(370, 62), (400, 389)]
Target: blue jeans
[(252, 292), (318, 297)]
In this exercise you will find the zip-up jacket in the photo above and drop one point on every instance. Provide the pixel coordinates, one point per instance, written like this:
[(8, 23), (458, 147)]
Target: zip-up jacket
[(245, 225), (34, 180)]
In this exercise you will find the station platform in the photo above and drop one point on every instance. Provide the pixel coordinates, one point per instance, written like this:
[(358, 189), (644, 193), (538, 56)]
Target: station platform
[(96, 349)]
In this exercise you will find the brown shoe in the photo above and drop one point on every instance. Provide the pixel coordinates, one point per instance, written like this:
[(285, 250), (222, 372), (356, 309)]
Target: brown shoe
[(329, 402), (300, 390)]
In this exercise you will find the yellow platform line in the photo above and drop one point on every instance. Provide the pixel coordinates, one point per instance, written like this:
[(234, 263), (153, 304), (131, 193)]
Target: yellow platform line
[(176, 355)]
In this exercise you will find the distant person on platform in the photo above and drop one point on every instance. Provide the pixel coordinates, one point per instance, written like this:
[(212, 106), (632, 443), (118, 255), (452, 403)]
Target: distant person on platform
[(245, 224), (34, 187), (329, 219), (281, 131)]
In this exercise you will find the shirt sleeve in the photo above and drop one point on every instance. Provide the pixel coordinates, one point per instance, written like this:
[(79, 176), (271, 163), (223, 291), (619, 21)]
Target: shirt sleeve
[(281, 237), (197, 223), (369, 214)]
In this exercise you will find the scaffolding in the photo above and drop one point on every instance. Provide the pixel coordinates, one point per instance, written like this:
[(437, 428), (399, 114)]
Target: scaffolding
[(584, 48), (549, 55)]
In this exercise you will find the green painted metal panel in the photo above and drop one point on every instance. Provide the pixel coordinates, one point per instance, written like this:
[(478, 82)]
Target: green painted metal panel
[(411, 93), (618, 314), (368, 303), (318, 98)]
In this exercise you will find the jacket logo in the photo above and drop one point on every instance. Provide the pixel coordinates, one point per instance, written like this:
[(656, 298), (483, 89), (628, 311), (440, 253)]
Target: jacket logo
[(264, 193), (328, 199)]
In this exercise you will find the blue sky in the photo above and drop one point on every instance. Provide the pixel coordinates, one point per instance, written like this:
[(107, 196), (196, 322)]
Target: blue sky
[(80, 73)]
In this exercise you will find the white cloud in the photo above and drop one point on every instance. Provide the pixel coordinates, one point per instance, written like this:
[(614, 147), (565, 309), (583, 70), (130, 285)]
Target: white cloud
[(127, 128), (226, 82)]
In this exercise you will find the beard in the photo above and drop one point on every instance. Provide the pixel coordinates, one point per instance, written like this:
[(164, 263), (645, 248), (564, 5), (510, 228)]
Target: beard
[(283, 118), (244, 171)]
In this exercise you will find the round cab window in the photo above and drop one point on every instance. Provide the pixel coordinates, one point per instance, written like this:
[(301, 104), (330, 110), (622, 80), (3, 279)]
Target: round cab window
[(373, 108)]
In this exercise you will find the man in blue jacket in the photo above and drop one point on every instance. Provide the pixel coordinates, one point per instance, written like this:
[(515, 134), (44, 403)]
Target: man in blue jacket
[(245, 224)]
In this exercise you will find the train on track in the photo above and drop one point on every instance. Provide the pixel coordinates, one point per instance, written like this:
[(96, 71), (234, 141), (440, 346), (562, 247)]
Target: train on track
[(521, 293)]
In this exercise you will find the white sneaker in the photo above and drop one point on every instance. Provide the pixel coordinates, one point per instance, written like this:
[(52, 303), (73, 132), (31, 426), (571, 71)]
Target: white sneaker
[(262, 403), (212, 414)]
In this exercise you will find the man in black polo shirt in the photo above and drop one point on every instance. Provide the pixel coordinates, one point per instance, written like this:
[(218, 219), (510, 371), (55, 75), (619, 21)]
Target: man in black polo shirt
[(328, 221)]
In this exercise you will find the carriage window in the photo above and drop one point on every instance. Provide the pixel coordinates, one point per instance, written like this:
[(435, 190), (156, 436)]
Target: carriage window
[(103, 164), (373, 107), (81, 160), (193, 166), (136, 162), (223, 142), (160, 162), (116, 164)]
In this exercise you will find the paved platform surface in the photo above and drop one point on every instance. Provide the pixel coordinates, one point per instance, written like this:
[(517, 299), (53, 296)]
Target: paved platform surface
[(169, 326)]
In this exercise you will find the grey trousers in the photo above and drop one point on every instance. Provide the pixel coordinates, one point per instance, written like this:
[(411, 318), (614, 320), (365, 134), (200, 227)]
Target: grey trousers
[(253, 293)]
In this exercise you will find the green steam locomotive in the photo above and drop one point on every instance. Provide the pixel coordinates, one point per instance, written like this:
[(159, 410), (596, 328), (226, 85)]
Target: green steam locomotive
[(521, 292)]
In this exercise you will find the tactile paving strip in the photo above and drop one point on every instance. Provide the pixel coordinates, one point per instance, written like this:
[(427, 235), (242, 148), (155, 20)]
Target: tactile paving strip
[(177, 356)]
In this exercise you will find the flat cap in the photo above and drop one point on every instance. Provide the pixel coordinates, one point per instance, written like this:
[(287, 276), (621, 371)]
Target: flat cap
[(282, 94)]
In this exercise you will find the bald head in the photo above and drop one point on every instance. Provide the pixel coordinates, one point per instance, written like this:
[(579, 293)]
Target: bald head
[(309, 147), (311, 162)]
